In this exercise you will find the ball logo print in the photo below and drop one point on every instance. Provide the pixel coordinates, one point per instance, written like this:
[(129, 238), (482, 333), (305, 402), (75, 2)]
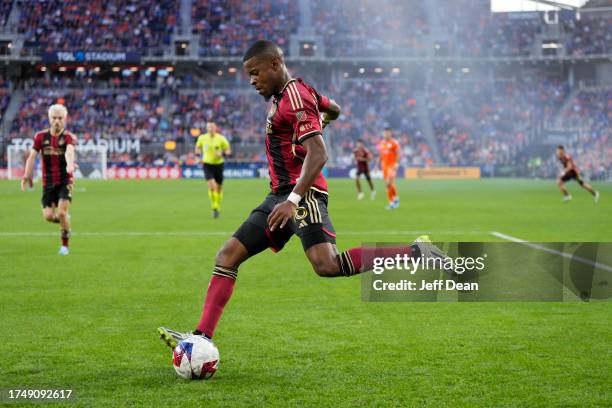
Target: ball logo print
[(195, 358)]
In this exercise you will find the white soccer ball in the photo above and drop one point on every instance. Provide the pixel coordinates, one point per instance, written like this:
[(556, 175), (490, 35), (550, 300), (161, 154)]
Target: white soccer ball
[(195, 358)]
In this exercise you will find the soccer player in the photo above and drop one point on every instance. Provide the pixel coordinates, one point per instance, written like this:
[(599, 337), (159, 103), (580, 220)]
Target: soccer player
[(56, 146), (389, 150), (570, 171), (363, 157), (213, 147), (297, 202)]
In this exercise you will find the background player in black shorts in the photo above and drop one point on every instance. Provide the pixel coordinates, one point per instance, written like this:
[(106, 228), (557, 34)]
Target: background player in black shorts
[(570, 171), (363, 157), (56, 146)]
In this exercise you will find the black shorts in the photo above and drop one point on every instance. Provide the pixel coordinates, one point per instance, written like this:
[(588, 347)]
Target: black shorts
[(572, 175), (311, 223), (214, 171), (55, 192), (363, 169)]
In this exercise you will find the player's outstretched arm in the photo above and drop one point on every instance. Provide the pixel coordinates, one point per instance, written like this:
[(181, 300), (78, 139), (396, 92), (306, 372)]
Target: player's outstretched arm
[(316, 157), (26, 180)]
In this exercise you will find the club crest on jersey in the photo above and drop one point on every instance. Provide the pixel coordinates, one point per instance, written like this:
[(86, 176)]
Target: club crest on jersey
[(300, 115), (61, 142)]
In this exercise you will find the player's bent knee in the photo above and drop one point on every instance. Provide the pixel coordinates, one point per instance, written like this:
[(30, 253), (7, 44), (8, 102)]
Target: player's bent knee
[(231, 254), (326, 269), (48, 216)]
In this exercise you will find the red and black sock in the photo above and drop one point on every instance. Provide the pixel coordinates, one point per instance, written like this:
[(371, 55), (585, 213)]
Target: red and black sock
[(218, 294), (361, 259), (65, 237)]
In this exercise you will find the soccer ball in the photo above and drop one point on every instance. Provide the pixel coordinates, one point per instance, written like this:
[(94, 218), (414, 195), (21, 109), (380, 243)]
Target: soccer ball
[(195, 358)]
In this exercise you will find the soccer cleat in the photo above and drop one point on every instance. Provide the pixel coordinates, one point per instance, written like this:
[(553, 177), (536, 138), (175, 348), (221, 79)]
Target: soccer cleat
[(567, 198), (216, 213), (396, 202), (373, 195), (171, 337), (429, 250), (596, 197), (64, 250), (360, 196)]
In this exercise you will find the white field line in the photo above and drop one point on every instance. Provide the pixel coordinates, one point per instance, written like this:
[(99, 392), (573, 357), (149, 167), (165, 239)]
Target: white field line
[(218, 233), (553, 251)]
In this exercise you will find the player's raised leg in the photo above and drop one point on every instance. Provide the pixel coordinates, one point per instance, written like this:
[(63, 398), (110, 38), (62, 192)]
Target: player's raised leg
[(588, 188), (327, 262)]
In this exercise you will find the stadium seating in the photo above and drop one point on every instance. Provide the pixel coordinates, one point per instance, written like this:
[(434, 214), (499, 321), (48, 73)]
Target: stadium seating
[(225, 27), (108, 25)]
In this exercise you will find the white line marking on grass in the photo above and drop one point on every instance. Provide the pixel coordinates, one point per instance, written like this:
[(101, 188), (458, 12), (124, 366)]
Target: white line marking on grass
[(217, 233), (552, 251)]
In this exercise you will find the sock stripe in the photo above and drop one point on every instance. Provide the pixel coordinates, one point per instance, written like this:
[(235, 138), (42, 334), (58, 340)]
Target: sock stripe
[(346, 264), (226, 272)]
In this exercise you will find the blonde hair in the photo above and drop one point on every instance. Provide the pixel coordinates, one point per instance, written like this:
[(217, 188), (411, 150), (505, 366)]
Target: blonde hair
[(58, 107)]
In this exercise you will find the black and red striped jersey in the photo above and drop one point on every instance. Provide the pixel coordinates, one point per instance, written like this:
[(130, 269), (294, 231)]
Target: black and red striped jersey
[(53, 160), (362, 154), (294, 116), (567, 159)]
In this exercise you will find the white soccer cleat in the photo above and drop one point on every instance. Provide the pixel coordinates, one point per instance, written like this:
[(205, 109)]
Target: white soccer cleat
[(567, 198), (596, 198), (360, 196), (64, 250)]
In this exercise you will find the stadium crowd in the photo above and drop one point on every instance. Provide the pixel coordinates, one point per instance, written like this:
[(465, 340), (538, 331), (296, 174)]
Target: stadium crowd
[(485, 122), (119, 114), (371, 28), (109, 25), (590, 114), (225, 27)]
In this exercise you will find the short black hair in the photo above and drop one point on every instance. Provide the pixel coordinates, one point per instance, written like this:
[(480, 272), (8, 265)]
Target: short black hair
[(261, 47), (561, 147), (387, 128), (359, 140)]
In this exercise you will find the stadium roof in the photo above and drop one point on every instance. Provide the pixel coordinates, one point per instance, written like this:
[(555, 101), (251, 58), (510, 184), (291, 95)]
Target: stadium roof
[(500, 6)]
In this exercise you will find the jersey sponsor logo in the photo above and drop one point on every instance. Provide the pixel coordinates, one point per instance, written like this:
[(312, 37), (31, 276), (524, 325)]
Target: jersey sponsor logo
[(305, 126)]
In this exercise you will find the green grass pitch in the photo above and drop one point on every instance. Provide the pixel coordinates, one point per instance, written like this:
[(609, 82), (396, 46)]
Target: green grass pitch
[(141, 257)]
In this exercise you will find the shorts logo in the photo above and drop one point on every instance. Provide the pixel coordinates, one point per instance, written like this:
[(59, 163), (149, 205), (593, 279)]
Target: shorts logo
[(299, 115), (300, 213)]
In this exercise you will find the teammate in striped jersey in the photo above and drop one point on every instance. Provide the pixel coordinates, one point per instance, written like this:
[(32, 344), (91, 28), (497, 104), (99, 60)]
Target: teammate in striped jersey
[(297, 202), (571, 172), (56, 146)]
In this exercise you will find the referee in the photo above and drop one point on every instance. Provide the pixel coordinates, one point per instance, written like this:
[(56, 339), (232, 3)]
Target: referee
[(213, 146)]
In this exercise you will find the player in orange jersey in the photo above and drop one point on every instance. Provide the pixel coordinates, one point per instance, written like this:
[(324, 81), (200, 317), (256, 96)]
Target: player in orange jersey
[(389, 150)]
